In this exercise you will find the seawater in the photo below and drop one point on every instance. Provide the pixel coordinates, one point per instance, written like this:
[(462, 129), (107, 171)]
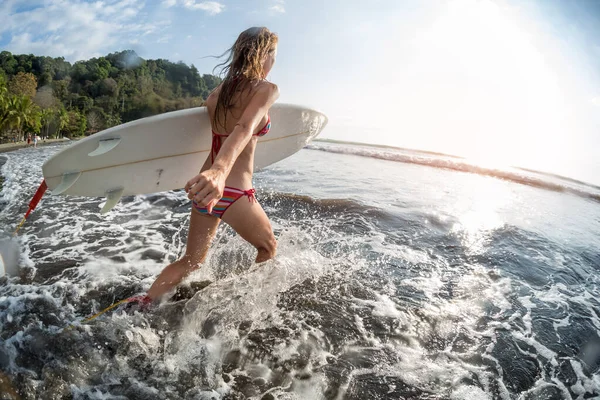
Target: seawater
[(399, 275)]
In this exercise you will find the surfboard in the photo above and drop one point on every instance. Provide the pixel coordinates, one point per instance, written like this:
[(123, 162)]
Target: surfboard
[(163, 152)]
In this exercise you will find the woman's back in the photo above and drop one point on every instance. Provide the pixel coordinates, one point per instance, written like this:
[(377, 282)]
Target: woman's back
[(224, 123)]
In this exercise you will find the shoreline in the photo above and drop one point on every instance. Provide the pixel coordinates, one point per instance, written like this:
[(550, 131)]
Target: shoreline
[(6, 147)]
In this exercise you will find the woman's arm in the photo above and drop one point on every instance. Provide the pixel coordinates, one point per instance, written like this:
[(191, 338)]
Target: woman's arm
[(207, 187)]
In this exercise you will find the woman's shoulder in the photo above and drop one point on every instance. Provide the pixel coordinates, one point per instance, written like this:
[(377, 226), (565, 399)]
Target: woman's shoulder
[(266, 85), (268, 88)]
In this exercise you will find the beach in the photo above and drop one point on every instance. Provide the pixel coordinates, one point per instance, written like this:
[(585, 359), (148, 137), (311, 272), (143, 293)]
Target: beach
[(6, 147)]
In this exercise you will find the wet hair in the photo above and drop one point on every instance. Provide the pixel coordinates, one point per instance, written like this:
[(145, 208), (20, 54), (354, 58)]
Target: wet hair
[(243, 66)]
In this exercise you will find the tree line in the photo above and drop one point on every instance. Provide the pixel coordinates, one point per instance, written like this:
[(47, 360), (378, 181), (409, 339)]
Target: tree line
[(53, 98)]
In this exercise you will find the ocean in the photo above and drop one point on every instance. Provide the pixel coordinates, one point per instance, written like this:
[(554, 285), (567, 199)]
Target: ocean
[(399, 275)]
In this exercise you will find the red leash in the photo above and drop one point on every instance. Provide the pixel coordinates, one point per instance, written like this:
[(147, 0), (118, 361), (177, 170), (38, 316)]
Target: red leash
[(33, 203)]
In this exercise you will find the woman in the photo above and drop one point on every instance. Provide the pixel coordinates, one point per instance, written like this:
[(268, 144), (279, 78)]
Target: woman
[(239, 113)]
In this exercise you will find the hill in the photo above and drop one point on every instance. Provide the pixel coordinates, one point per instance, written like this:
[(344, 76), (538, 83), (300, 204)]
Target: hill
[(52, 97)]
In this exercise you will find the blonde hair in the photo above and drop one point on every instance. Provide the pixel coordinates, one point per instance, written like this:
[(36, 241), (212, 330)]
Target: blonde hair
[(244, 64)]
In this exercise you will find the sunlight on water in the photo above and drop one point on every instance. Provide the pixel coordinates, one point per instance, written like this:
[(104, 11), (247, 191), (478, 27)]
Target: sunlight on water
[(478, 212)]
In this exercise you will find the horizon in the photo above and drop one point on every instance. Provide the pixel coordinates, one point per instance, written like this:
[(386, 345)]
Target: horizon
[(502, 83), (434, 153)]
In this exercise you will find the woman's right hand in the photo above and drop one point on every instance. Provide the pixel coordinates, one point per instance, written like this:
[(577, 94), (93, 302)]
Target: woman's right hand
[(206, 188)]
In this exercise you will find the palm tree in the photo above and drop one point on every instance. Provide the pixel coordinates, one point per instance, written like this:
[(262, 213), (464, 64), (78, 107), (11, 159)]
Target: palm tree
[(48, 115), (63, 119), (4, 105), (23, 113)]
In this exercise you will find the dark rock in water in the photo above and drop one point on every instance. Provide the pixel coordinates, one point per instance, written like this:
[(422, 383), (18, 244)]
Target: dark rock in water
[(119, 259), (545, 393), (140, 392), (566, 373), (244, 327), (201, 394), (7, 391), (27, 274), (153, 254), (520, 372), (54, 376), (4, 360), (303, 376), (186, 292), (231, 361), (244, 384), (108, 294), (234, 396), (371, 386), (51, 271)]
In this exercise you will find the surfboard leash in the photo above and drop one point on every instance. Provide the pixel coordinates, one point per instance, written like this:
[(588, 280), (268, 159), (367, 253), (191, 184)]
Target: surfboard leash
[(142, 299), (32, 204)]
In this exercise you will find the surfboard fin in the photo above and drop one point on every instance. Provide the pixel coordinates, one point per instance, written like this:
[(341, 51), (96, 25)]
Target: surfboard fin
[(104, 146), (67, 181), (112, 198)]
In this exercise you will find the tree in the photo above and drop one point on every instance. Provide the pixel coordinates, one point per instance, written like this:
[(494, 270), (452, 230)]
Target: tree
[(23, 84), (48, 118), (45, 98), (23, 114), (8, 63), (61, 89), (95, 120), (113, 120), (4, 104), (62, 120), (76, 124)]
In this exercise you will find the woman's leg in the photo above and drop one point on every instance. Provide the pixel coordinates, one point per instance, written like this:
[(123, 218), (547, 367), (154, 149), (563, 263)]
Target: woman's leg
[(249, 220), (201, 233)]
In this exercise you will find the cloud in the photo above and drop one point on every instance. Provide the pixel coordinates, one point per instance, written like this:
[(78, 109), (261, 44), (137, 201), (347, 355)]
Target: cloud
[(596, 101), (75, 29), (164, 39), (278, 7), (211, 7)]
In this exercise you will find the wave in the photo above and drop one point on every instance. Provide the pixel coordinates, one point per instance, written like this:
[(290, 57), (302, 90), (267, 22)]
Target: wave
[(443, 161)]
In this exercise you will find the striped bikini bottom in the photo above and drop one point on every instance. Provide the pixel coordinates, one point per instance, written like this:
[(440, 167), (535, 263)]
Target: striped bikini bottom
[(230, 195)]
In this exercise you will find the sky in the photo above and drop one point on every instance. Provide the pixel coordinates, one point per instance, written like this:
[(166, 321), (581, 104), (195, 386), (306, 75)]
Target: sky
[(503, 82)]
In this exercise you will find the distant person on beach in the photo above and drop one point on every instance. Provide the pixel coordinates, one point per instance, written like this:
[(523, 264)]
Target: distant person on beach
[(223, 190), (28, 140), (35, 140)]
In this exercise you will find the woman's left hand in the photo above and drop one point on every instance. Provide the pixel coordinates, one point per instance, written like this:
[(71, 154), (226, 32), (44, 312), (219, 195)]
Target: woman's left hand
[(206, 188)]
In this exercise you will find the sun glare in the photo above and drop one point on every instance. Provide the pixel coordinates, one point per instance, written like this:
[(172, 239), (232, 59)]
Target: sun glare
[(479, 212), (475, 82)]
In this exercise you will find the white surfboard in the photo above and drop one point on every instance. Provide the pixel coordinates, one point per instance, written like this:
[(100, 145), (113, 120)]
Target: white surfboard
[(164, 151)]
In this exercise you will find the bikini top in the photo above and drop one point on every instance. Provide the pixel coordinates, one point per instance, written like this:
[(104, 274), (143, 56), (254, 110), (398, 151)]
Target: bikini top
[(217, 139)]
